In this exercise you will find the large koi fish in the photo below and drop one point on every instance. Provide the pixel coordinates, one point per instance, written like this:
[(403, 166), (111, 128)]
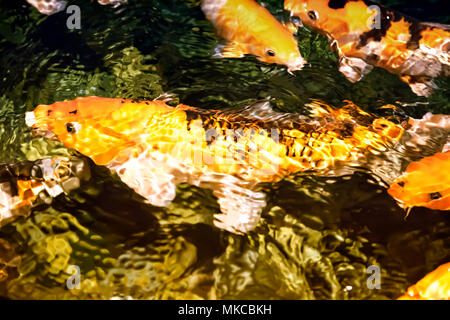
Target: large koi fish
[(152, 146)]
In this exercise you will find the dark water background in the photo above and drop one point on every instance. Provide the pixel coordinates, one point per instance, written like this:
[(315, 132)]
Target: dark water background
[(316, 238)]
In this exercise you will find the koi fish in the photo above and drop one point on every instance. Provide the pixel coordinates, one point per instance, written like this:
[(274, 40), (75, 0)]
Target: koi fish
[(50, 7), (250, 29), (434, 286), (367, 34), (152, 146), (22, 183), (425, 183)]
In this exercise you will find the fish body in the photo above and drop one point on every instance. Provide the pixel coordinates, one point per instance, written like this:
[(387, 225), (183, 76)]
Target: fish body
[(249, 28), (367, 34), (425, 183), (153, 146), (434, 286)]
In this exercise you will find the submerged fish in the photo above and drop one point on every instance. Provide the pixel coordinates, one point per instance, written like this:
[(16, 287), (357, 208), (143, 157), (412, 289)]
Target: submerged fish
[(425, 183), (250, 29), (434, 286), (22, 183), (50, 7), (367, 34), (152, 146)]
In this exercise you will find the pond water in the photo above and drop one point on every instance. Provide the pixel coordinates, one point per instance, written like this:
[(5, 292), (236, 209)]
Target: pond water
[(316, 238)]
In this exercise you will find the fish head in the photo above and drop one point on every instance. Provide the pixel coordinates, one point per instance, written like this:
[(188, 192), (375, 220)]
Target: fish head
[(273, 42), (283, 51), (434, 286), (334, 18), (312, 13), (425, 183), (98, 128), (386, 128)]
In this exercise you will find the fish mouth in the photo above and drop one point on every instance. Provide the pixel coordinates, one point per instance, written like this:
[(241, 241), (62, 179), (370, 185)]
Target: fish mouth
[(30, 118), (31, 121), (296, 66)]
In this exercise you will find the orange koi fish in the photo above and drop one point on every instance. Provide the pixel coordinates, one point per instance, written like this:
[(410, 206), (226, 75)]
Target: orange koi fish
[(434, 286), (50, 7), (367, 34), (250, 29), (21, 183), (425, 183), (152, 146)]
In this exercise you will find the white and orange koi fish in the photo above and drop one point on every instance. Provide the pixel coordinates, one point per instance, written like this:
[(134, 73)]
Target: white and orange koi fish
[(366, 34)]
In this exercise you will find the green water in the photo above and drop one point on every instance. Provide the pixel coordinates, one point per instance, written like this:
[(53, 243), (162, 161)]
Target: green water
[(316, 238)]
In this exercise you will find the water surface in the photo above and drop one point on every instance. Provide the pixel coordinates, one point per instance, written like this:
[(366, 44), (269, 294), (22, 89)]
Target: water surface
[(317, 236)]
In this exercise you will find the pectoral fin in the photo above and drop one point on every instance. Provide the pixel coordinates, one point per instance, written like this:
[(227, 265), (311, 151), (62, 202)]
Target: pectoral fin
[(241, 210), (150, 178), (240, 204), (231, 50), (155, 176), (354, 69)]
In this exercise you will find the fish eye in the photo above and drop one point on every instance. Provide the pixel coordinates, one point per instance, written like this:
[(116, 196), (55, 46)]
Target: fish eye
[(72, 127), (435, 195), (313, 15), (270, 53)]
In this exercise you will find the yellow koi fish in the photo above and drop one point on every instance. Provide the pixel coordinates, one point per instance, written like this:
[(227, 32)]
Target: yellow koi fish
[(425, 183), (250, 29), (153, 146)]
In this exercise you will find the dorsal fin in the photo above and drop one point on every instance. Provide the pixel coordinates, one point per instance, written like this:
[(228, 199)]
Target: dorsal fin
[(165, 97), (445, 27), (259, 110)]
